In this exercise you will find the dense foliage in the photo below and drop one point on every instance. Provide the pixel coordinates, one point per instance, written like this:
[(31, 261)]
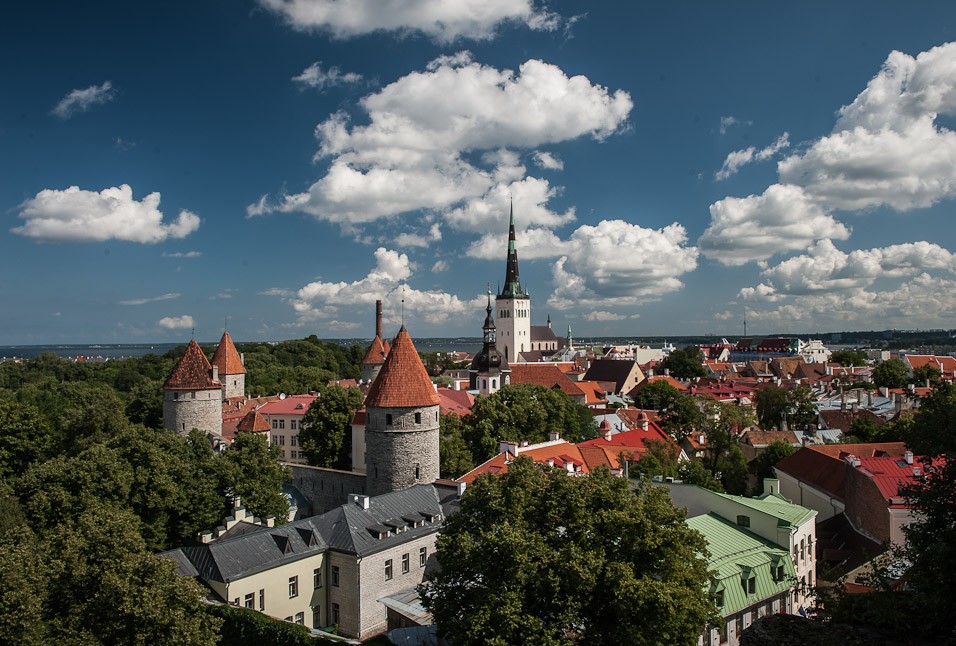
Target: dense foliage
[(244, 627), (685, 364), (536, 557), (524, 412), (325, 435), (892, 373)]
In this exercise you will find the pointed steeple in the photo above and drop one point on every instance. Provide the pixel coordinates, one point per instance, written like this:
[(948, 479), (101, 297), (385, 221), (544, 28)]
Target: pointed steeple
[(193, 371), (227, 358), (512, 287), (403, 381)]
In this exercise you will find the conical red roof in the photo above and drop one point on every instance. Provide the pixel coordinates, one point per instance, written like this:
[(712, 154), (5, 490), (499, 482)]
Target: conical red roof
[(192, 372), (403, 381), (253, 422), (376, 353), (227, 357)]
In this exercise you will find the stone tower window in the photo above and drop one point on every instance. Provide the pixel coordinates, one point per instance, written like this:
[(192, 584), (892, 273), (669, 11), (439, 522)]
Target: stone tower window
[(417, 472), (418, 418), (388, 419)]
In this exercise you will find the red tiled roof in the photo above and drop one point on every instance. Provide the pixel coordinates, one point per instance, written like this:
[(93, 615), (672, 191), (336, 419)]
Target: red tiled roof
[(291, 405), (843, 420), (458, 402), (192, 372), (545, 374), (822, 467), (594, 392), (343, 383), (633, 438), (561, 453), (359, 418), (227, 357), (403, 381), (631, 416), (376, 353), (253, 422), (757, 438)]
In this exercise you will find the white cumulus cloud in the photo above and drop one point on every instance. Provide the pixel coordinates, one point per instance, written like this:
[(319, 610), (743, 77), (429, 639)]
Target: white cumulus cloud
[(421, 240), (784, 218), (82, 100), (601, 315), (548, 160), (621, 263), (887, 149), (415, 151), (76, 215), (183, 322), (318, 79), (440, 20), (739, 158)]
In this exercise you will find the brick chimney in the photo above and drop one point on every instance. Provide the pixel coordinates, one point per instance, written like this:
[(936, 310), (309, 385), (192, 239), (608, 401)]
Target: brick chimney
[(378, 319)]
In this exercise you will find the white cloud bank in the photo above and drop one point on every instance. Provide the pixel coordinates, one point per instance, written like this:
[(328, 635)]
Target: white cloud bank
[(183, 322), (76, 215), (83, 99), (423, 130), (886, 149), (440, 20)]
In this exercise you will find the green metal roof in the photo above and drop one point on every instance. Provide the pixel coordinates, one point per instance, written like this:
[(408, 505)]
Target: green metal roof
[(737, 555), (790, 514)]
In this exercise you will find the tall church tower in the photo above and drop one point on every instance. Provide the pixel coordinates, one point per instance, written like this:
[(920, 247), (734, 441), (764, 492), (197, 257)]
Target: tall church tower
[(401, 422), (489, 371), (514, 306)]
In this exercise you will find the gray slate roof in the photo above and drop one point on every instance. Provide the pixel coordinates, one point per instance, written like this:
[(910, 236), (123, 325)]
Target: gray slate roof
[(347, 528), (253, 549)]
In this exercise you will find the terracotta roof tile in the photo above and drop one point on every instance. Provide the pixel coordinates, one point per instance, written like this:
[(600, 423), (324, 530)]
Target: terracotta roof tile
[(192, 372), (545, 374), (403, 381), (376, 353), (227, 357), (253, 422)]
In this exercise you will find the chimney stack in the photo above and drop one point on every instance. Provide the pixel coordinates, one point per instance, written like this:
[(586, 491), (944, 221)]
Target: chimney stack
[(378, 319)]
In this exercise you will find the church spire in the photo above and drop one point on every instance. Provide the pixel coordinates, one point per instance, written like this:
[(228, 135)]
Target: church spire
[(513, 287)]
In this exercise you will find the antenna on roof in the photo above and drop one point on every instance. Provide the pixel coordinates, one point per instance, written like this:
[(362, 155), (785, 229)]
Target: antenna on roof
[(192, 333), (403, 305), (225, 323)]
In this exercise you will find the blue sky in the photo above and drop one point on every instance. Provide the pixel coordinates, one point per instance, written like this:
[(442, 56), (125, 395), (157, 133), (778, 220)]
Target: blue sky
[(675, 167)]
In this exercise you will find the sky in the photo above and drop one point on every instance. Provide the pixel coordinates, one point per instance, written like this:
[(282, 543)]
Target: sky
[(275, 166)]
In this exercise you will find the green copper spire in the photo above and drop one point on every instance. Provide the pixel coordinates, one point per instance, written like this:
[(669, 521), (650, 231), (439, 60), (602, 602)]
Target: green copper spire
[(512, 287)]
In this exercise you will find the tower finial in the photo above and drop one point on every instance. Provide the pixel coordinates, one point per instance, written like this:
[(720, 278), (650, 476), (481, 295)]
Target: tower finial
[(403, 305)]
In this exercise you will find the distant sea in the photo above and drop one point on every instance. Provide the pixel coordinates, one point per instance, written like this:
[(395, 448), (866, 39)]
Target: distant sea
[(123, 350)]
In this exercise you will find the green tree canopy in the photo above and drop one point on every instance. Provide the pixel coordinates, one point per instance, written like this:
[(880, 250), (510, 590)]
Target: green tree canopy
[(325, 434), (25, 438), (91, 580), (892, 373), (771, 404), (849, 358), (765, 462), (926, 373), (656, 395), (455, 458), (536, 557), (251, 469), (524, 412), (685, 364)]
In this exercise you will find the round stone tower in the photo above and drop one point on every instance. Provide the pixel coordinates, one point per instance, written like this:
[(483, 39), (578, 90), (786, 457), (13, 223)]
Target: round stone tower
[(401, 422), (232, 373), (192, 394)]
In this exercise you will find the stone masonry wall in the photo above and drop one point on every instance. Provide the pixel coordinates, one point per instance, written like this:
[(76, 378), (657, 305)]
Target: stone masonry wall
[(200, 409), (235, 385), (325, 489), (395, 454)]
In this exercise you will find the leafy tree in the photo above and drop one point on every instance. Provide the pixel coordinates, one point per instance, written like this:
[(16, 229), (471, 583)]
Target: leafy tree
[(765, 462), (927, 373), (146, 403), (99, 585), (524, 412), (685, 364), (25, 437), (694, 472), (660, 460), (802, 412), (863, 429), (848, 358), (732, 471), (455, 458), (656, 395), (681, 416), (251, 469), (771, 403), (245, 627), (325, 434), (931, 539), (892, 373), (536, 557)]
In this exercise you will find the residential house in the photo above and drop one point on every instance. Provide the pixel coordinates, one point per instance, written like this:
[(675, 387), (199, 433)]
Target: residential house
[(285, 417), (753, 442), (625, 374)]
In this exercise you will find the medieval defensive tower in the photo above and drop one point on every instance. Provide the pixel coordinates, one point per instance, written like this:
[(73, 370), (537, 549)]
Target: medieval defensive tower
[(232, 374), (401, 423), (192, 394)]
